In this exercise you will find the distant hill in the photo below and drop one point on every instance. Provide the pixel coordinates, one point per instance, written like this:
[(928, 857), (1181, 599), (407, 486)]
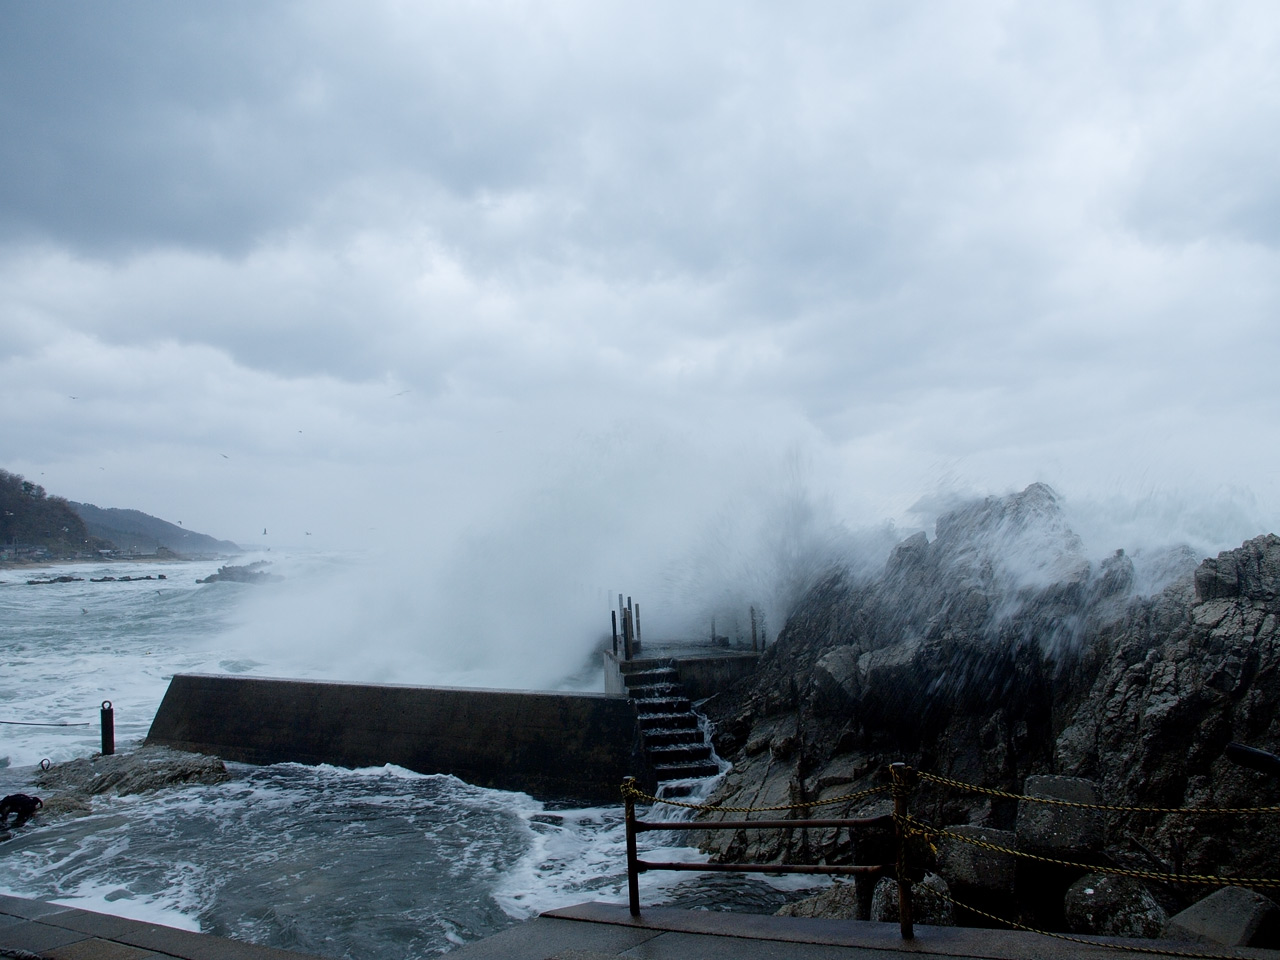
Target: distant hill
[(133, 531), (35, 525)]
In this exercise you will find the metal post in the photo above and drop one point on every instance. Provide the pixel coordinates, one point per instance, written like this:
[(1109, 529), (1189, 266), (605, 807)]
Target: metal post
[(108, 728), (639, 644), (754, 647), (903, 782), (633, 867), (626, 635), (613, 615)]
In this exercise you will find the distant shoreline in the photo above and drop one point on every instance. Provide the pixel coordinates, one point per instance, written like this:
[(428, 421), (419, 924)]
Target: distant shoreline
[(152, 558)]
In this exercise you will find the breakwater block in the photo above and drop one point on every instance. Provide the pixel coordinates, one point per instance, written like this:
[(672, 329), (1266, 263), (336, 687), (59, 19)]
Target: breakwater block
[(557, 746)]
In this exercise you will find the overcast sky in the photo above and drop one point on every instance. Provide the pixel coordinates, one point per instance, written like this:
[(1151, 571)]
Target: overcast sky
[(382, 268)]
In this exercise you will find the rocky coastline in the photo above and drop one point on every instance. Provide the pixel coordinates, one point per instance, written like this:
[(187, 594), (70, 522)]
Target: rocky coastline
[(997, 655)]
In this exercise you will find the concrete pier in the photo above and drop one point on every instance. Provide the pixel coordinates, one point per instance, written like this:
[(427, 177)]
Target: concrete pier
[(556, 746)]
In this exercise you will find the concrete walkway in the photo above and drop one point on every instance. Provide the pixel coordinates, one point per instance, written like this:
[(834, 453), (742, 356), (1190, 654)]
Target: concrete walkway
[(590, 931), (603, 931), (55, 932)]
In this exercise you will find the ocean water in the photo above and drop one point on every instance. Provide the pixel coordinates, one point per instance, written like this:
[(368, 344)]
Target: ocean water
[(343, 863)]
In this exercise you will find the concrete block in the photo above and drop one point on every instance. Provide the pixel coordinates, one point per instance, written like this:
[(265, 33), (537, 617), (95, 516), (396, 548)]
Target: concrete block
[(968, 867), (1051, 830), (1232, 916)]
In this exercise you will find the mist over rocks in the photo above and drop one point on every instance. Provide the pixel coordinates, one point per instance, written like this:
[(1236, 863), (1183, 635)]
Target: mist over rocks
[(999, 651)]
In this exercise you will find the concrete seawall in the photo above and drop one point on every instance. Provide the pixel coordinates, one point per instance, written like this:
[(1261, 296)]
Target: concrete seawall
[(575, 747)]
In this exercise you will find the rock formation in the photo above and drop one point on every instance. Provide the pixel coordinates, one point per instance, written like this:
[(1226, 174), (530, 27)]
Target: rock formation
[(998, 652)]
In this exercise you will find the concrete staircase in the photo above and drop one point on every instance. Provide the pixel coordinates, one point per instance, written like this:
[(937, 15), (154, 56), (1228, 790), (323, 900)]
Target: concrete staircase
[(674, 741)]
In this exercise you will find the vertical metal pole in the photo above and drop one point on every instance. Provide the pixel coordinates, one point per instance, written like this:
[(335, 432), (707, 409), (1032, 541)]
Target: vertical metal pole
[(903, 780), (754, 647), (108, 728), (639, 643), (613, 615), (633, 867), (626, 634)]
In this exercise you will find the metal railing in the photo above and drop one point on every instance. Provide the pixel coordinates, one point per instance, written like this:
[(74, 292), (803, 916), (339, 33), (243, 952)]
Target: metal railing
[(902, 783)]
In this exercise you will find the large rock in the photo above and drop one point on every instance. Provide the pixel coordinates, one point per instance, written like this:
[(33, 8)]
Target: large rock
[(1232, 917), (930, 902), (141, 771), (1058, 829), (973, 868), (837, 902), (1113, 906), (998, 651)]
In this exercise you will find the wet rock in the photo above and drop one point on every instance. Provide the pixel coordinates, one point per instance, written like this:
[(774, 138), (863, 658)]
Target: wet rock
[(65, 805), (1232, 917), (1058, 830), (1113, 906), (997, 653), (978, 872), (142, 771), (837, 902), (930, 903)]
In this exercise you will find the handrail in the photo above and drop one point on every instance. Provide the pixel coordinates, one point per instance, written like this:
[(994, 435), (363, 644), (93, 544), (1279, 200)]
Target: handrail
[(903, 779)]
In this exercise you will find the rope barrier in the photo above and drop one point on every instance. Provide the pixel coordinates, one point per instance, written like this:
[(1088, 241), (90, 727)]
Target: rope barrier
[(30, 723), (917, 828), (1111, 945), (1113, 808), (634, 794), (904, 783)]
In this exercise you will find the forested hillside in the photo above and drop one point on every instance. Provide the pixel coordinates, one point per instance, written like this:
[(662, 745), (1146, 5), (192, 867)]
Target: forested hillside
[(34, 523)]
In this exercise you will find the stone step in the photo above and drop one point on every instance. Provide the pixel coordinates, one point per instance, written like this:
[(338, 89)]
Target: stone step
[(665, 738), (685, 771), (653, 691), (661, 674), (668, 721), (651, 705), (680, 753)]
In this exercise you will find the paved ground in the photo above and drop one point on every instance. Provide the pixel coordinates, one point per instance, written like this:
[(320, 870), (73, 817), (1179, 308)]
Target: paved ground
[(590, 931)]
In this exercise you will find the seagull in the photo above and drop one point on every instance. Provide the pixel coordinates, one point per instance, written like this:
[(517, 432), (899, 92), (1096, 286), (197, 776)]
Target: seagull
[(400, 394), (225, 457)]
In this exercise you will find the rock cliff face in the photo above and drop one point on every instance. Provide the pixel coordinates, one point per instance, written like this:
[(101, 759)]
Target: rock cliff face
[(998, 651)]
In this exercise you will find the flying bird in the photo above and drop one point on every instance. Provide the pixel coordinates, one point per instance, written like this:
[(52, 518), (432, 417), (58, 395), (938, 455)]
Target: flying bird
[(400, 394), (225, 457)]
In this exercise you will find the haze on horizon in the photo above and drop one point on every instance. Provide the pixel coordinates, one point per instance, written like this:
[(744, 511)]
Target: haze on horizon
[(599, 285)]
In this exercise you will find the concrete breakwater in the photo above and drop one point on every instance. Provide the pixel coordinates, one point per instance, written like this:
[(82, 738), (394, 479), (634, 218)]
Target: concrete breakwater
[(557, 746)]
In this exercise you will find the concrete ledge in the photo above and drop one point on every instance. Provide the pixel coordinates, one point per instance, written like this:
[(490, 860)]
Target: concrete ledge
[(67, 933), (860, 938), (574, 747)]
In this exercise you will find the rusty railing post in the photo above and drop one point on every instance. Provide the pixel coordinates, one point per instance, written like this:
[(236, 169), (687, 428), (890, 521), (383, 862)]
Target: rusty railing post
[(633, 867), (904, 779), (613, 615)]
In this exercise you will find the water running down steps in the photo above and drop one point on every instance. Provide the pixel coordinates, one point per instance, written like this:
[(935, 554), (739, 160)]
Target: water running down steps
[(674, 739)]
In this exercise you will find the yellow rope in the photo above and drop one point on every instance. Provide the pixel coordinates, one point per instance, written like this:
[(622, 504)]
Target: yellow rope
[(916, 828), (990, 792), (630, 791), (1134, 948)]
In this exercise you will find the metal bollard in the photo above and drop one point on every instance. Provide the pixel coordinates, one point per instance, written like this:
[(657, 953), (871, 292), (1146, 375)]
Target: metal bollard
[(108, 728)]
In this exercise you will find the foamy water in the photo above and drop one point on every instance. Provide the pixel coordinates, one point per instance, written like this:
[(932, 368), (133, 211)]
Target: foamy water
[(338, 862)]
